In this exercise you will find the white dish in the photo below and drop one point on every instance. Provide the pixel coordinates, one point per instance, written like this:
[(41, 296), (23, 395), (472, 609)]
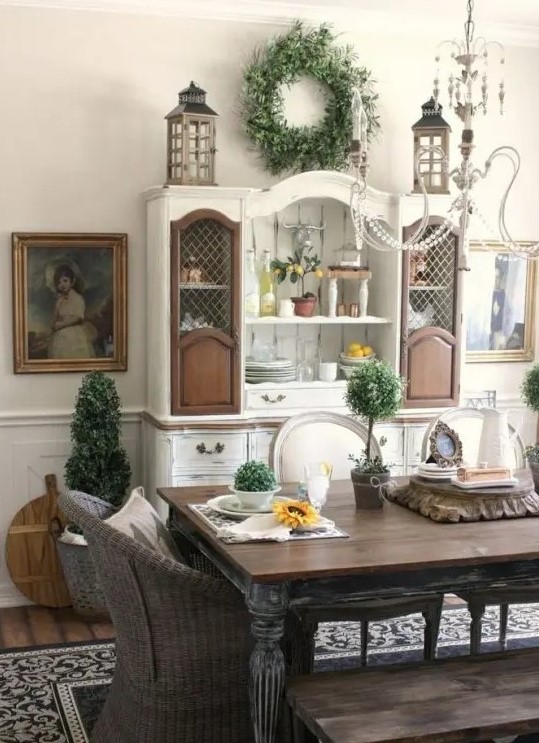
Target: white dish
[(510, 482), (435, 478), (228, 505), (353, 360)]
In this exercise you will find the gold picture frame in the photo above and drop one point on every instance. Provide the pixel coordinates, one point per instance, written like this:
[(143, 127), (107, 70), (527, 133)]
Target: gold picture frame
[(69, 302), (500, 309)]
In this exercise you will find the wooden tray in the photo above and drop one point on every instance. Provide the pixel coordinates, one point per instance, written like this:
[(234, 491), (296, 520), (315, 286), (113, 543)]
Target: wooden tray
[(443, 502), (31, 554)]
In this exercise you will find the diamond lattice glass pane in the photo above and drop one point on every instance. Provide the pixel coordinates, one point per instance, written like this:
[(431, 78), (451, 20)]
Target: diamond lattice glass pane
[(205, 276), (432, 303)]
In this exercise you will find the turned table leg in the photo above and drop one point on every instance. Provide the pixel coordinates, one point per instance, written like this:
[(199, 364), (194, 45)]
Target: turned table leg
[(268, 604)]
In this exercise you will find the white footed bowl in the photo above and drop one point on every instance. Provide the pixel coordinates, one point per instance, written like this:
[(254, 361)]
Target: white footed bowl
[(254, 500)]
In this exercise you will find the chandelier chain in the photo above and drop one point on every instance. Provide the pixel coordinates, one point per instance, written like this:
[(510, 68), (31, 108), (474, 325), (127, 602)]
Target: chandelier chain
[(469, 26)]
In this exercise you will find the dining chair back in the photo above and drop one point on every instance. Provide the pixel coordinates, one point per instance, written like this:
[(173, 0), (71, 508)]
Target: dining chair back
[(318, 436), (330, 437)]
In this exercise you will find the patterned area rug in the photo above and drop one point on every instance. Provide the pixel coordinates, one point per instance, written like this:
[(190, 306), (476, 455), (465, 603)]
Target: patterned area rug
[(54, 695)]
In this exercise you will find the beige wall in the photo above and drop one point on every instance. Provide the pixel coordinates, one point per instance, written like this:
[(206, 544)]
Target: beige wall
[(82, 135)]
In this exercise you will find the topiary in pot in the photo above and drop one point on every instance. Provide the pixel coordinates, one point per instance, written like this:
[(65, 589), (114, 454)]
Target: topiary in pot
[(255, 485), (99, 466), (530, 395), (374, 393)]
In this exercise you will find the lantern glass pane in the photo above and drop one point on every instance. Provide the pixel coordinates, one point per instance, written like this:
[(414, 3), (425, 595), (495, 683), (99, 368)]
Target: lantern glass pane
[(436, 179), (437, 141), (424, 167), (424, 141), (437, 167)]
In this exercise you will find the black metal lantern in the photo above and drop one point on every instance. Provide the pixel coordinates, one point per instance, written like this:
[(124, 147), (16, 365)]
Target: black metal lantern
[(431, 130), (191, 140)]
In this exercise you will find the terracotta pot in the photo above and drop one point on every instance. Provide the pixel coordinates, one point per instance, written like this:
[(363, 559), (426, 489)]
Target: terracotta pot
[(534, 467), (304, 306), (366, 495)]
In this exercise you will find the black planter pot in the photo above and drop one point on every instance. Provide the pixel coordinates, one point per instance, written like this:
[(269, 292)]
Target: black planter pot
[(367, 496)]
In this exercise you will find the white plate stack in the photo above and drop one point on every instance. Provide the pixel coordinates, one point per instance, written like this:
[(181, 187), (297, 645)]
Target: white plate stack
[(433, 471), (278, 370)]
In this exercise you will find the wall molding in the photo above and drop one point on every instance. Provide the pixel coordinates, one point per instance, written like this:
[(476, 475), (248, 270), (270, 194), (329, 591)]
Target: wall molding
[(415, 18), (25, 418)]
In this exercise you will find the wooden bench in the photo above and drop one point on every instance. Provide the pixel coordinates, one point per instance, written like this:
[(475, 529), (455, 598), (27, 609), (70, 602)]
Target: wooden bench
[(463, 699)]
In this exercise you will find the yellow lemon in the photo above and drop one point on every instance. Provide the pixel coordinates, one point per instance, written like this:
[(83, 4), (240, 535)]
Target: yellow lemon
[(319, 273), (276, 271), (368, 351), (299, 270), (353, 347), (289, 268), (326, 469), (357, 353)]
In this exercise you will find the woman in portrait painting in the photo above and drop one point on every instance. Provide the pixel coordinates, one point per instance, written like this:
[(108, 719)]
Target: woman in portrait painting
[(69, 339)]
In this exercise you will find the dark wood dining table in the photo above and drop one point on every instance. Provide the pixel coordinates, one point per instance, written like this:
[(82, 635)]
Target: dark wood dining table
[(391, 552)]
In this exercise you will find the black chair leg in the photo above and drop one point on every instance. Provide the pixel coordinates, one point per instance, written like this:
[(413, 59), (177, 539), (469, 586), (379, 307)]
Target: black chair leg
[(504, 613), (432, 619), (364, 642), (300, 732), (476, 611)]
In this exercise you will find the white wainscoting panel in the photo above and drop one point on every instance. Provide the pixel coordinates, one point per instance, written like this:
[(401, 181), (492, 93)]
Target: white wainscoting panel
[(30, 448)]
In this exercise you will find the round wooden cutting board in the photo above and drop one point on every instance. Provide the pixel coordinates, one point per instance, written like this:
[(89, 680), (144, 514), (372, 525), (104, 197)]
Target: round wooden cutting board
[(31, 554)]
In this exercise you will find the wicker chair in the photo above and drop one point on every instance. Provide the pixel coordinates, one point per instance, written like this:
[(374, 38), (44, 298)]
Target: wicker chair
[(318, 436), (183, 644)]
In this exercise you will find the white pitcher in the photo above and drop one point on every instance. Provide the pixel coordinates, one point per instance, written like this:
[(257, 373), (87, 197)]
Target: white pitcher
[(497, 443)]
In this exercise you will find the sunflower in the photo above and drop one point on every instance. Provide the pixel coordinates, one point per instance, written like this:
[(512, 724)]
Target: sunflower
[(295, 513)]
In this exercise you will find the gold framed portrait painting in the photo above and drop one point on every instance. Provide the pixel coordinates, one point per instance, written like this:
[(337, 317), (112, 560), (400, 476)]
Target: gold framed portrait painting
[(69, 302), (500, 305)]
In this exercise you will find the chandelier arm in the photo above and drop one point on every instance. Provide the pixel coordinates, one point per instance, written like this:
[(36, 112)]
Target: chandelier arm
[(511, 154)]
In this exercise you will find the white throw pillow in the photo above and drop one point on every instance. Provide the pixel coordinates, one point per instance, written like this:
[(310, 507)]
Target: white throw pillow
[(138, 519)]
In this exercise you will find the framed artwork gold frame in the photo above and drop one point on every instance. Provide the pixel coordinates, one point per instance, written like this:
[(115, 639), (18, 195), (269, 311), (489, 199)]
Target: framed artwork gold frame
[(500, 312), (69, 302)]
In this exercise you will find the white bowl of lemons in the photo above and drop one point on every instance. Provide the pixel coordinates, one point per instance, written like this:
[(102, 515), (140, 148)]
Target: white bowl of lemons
[(356, 353)]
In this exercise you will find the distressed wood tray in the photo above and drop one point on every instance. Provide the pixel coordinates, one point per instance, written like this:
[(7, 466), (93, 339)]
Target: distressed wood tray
[(441, 501)]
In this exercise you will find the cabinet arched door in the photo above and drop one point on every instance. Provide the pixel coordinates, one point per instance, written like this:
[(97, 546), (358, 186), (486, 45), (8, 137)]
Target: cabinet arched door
[(431, 321), (206, 314)]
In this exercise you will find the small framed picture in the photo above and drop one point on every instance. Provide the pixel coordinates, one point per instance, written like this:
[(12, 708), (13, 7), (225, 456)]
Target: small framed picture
[(445, 446), (69, 302)]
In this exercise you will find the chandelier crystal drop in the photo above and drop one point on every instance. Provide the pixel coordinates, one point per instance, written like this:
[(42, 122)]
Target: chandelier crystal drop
[(468, 89)]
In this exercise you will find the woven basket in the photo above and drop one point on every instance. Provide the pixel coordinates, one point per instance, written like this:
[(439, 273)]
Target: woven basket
[(79, 569)]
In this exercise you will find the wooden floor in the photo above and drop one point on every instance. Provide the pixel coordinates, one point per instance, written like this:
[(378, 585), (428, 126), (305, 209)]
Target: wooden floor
[(25, 626)]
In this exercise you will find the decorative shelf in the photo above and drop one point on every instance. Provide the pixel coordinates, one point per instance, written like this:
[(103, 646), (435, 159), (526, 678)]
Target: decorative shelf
[(295, 385), (193, 285), (348, 272), (413, 288), (319, 320)]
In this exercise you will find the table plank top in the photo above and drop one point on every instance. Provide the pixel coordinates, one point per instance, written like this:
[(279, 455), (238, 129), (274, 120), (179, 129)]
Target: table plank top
[(391, 539)]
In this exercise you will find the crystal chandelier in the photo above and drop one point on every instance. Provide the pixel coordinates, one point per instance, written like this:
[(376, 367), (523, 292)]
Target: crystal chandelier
[(468, 90)]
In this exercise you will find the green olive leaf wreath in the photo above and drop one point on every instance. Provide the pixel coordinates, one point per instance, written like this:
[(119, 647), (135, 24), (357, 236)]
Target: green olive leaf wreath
[(282, 61)]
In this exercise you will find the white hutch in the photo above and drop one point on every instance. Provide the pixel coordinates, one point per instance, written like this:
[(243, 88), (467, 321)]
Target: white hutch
[(202, 418)]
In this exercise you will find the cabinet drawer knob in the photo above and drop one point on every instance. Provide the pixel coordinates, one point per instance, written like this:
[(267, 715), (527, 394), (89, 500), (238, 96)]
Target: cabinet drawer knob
[(219, 448), (279, 398)]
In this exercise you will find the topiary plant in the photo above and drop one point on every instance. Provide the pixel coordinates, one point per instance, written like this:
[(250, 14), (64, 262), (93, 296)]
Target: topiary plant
[(530, 391), (98, 464), (374, 392), (254, 477)]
